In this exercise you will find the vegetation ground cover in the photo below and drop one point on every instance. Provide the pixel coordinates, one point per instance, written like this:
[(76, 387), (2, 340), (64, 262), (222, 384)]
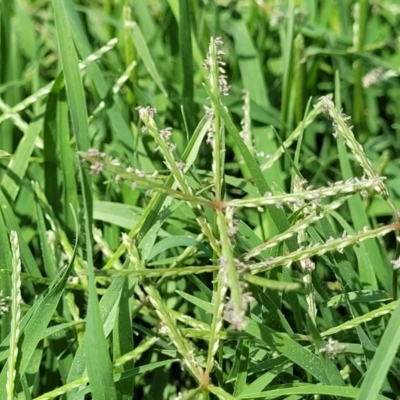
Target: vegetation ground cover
[(199, 199)]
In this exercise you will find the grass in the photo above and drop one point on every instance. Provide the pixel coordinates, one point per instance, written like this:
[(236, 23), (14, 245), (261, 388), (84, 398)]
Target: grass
[(199, 200)]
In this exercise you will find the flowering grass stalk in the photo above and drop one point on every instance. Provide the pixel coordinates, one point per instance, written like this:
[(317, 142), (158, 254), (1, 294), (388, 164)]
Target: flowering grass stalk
[(168, 327), (231, 281), (16, 300), (317, 249), (341, 128)]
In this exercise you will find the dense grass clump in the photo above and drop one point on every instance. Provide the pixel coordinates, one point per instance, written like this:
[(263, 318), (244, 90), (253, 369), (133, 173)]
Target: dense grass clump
[(199, 200)]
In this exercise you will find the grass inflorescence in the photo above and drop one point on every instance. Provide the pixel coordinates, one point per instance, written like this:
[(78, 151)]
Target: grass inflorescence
[(199, 200)]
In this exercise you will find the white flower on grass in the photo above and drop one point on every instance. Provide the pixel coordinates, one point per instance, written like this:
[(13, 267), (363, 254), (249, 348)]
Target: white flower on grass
[(374, 76), (332, 348), (115, 162), (146, 112), (95, 153), (96, 168), (181, 165), (4, 303), (223, 86), (166, 133), (118, 179), (163, 329), (171, 147), (396, 263)]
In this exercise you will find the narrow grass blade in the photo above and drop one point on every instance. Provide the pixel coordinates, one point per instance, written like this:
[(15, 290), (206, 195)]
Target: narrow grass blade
[(185, 44), (287, 47), (108, 307), (379, 367), (123, 341), (306, 389), (67, 164), (144, 53), (20, 160), (34, 324), (289, 348), (50, 147), (249, 64), (48, 257), (97, 357), (10, 219)]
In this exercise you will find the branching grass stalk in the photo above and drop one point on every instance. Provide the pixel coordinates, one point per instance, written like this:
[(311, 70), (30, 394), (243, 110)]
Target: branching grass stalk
[(189, 251), (318, 249), (214, 66), (189, 321), (352, 185), (157, 272), (156, 199), (228, 277), (246, 122), (44, 280), (353, 323), (318, 107), (217, 321), (185, 348), (307, 265), (341, 128), (136, 352), (16, 300), (8, 112), (205, 231), (167, 148), (126, 75), (230, 270), (44, 91), (296, 227), (139, 177)]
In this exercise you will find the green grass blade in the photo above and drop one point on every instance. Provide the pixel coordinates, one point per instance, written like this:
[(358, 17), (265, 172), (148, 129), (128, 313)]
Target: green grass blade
[(289, 348), (287, 47), (306, 389), (10, 219), (48, 257), (185, 44), (97, 357), (20, 160), (383, 358), (32, 331), (50, 147), (249, 64), (108, 303), (67, 164), (123, 341), (144, 53)]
